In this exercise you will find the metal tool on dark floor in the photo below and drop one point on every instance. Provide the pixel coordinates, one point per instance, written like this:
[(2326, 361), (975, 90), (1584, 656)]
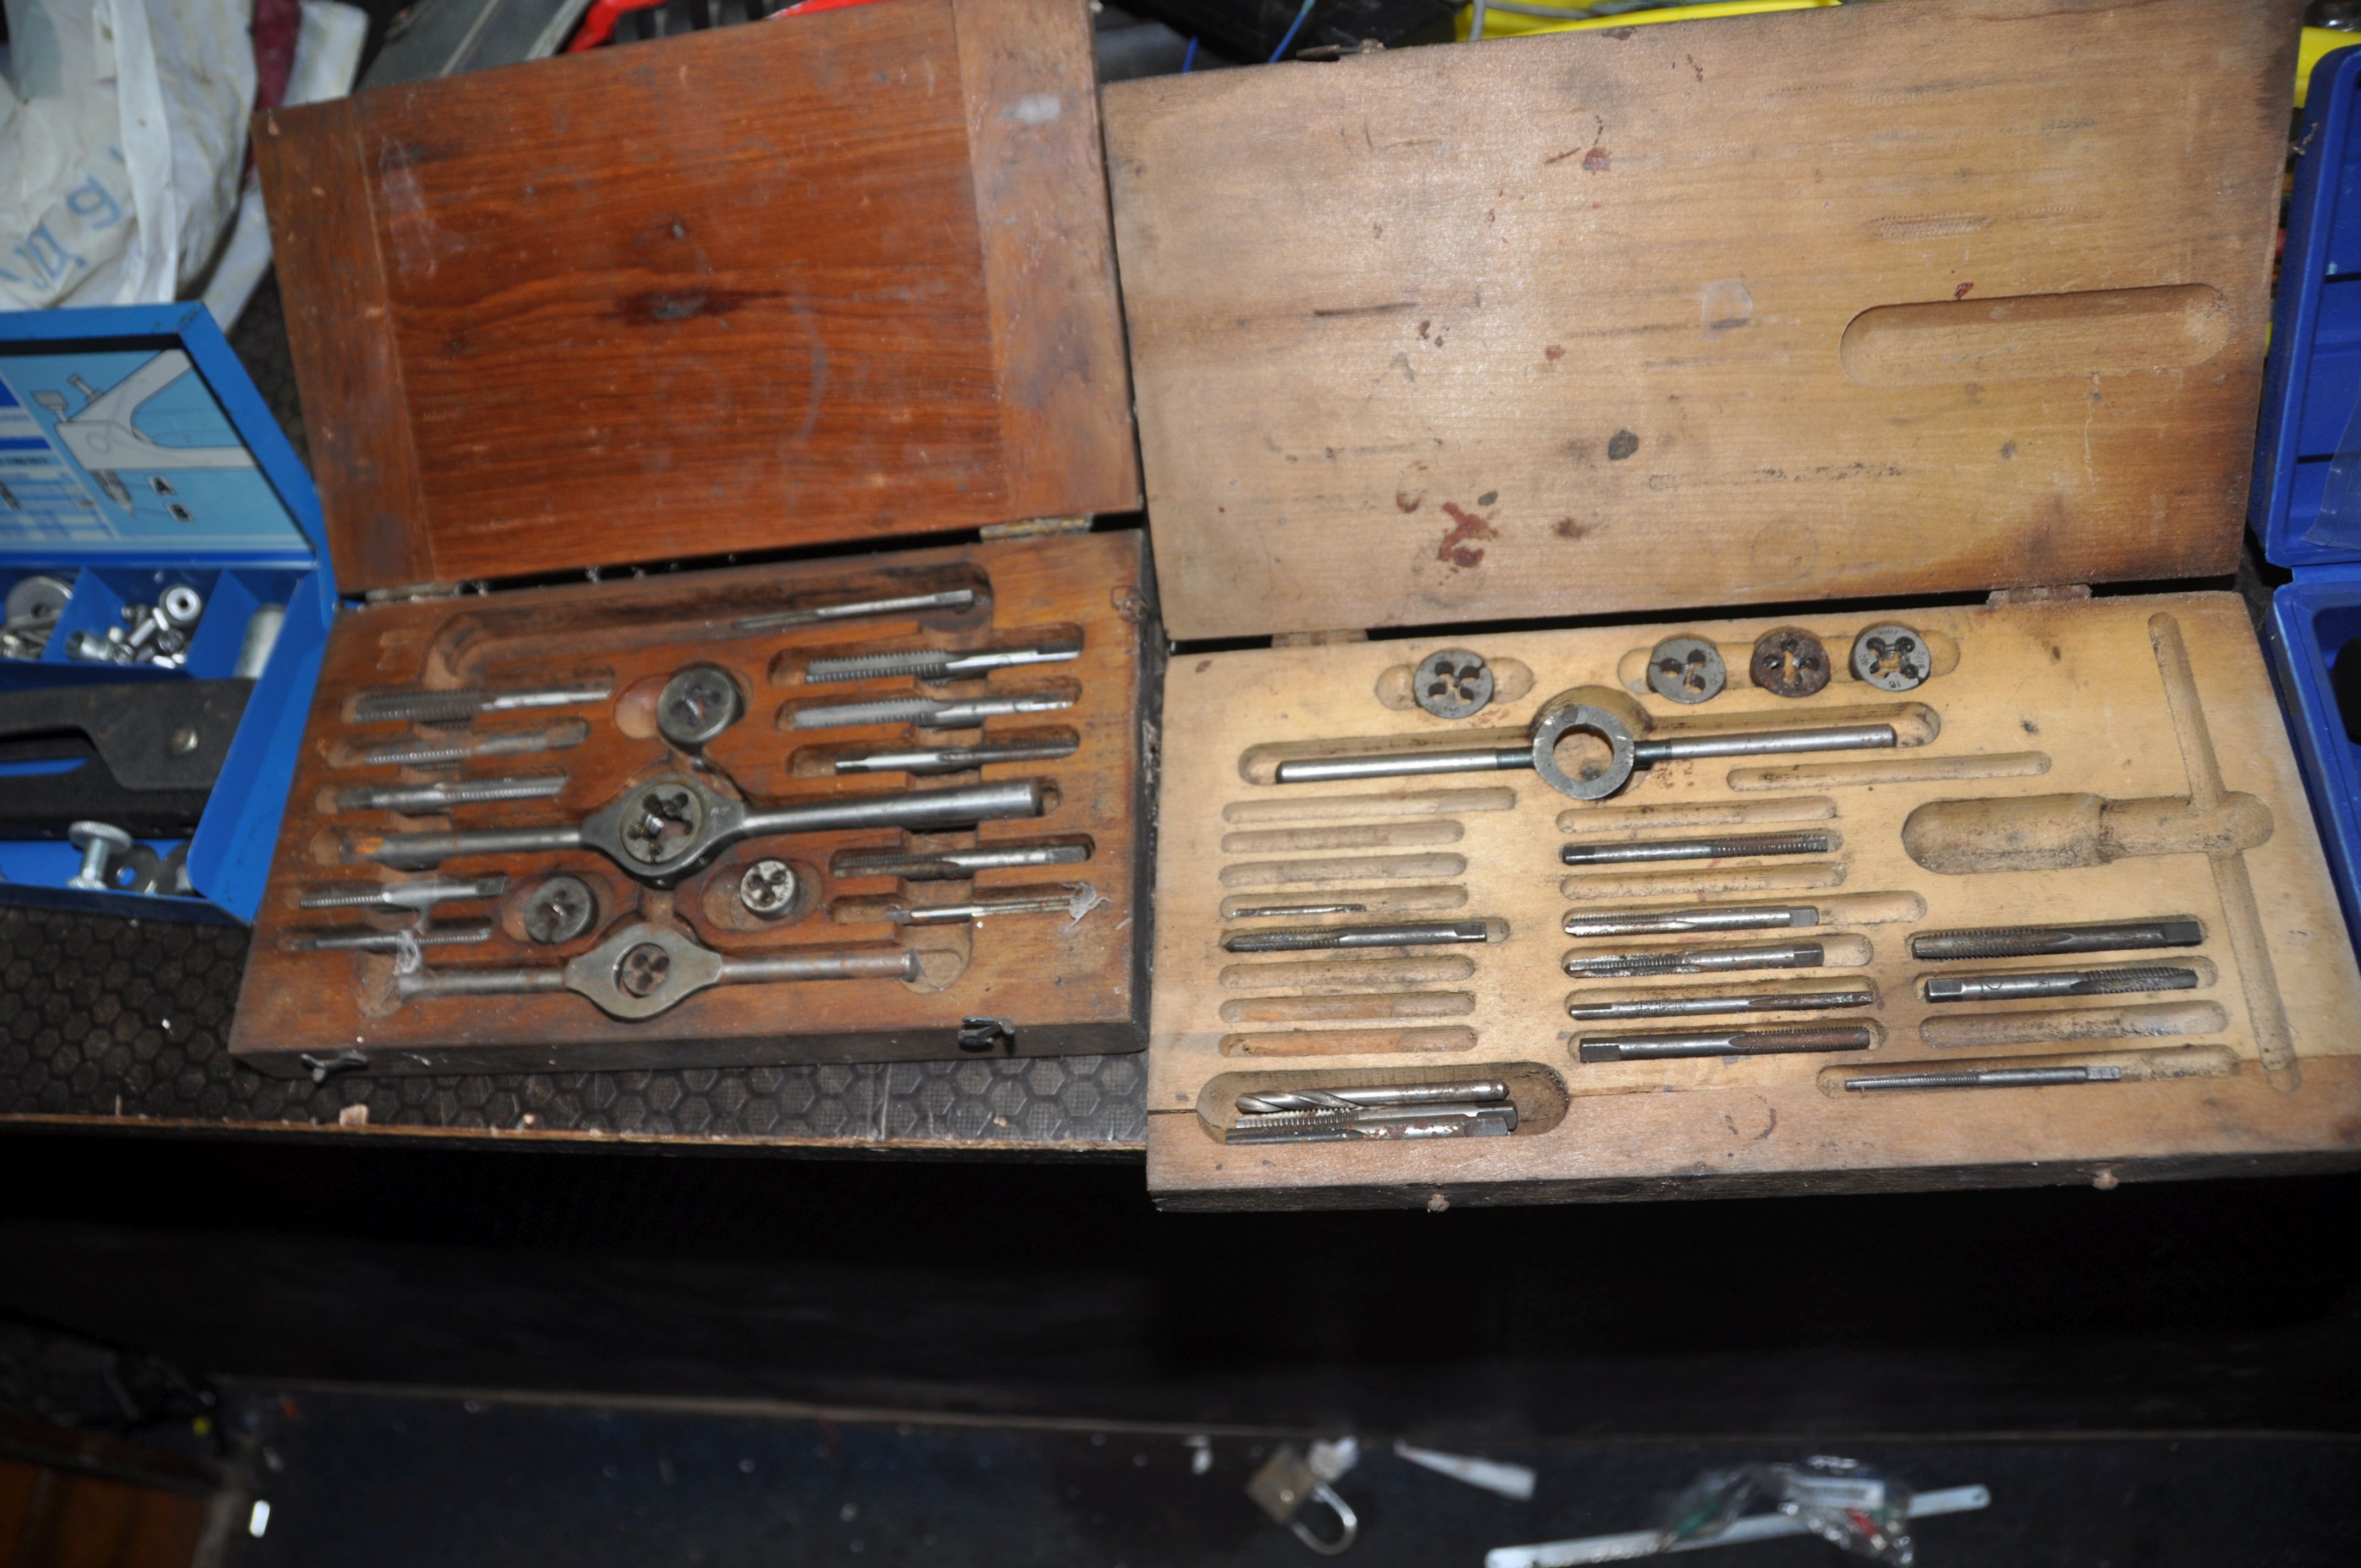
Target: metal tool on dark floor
[(420, 705), (1703, 917), (148, 755), (1307, 939), (1291, 1480), (1731, 846), (2027, 983), (856, 609), (1988, 1077), (1686, 670), (927, 712), (404, 895), (1639, 962), (1891, 657), (1789, 661), (958, 759), (1705, 1004), (940, 663), (644, 970), (1452, 683), (954, 865), (1725, 1043), (428, 799), (664, 829), (2037, 941), (1606, 719)]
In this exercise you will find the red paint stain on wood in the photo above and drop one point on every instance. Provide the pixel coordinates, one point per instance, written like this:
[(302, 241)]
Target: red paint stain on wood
[(1961, 291), (1553, 352), (1598, 161), (1456, 552), (1407, 502)]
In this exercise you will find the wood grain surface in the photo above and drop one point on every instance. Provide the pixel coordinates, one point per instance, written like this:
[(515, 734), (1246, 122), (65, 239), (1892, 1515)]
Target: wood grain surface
[(1065, 985), (846, 276), (2076, 687), (1927, 295)]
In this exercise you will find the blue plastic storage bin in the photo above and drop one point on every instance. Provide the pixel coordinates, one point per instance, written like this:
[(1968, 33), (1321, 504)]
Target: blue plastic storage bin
[(135, 455), (2306, 503)]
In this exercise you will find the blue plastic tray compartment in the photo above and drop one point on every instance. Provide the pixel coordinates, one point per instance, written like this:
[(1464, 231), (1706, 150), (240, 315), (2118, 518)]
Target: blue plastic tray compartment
[(237, 570), (2313, 619)]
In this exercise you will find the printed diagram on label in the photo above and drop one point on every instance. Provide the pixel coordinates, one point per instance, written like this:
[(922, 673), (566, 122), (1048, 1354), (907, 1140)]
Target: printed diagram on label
[(127, 450)]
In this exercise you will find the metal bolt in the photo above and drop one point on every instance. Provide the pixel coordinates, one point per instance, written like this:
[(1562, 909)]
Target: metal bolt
[(559, 910), (768, 889), (99, 842), (642, 970), (184, 740)]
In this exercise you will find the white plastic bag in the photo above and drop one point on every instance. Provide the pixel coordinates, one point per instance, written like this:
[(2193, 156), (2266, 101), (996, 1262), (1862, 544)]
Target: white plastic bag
[(120, 146)]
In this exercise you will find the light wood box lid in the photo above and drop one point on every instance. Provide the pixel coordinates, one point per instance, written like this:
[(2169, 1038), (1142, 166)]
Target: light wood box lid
[(1923, 296)]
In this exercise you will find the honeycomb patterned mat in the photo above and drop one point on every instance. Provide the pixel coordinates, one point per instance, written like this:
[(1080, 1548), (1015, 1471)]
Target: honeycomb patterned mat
[(106, 1018)]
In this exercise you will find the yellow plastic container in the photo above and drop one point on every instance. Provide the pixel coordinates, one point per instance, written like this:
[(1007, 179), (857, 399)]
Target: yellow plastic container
[(1499, 23)]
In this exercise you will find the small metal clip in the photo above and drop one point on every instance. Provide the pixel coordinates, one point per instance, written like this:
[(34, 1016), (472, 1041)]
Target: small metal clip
[(1287, 1480)]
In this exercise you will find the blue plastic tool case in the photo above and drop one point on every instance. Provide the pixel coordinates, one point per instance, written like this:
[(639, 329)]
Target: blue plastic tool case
[(136, 454)]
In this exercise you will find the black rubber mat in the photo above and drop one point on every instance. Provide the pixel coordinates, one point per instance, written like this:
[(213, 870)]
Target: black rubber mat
[(107, 1018)]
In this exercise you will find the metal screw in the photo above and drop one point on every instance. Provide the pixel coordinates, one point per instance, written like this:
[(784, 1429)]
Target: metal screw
[(768, 889), (1686, 670), (99, 842), (184, 740), (697, 705), (642, 970), (1891, 657), (559, 910), (1452, 683)]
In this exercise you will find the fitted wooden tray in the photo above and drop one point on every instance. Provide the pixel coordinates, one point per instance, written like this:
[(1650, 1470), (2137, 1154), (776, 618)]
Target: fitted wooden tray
[(1923, 296), (2039, 699), (1028, 984)]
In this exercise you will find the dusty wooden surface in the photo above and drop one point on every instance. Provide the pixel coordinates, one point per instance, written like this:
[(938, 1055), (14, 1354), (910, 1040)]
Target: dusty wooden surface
[(2071, 694), (1884, 299), (1067, 985), (846, 276)]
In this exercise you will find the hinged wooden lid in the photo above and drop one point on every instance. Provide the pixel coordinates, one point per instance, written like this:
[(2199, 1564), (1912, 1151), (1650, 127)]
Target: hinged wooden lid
[(819, 278), (1922, 296)]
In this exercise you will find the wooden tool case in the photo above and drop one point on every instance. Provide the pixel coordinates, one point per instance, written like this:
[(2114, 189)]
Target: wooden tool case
[(825, 279), (1915, 298)]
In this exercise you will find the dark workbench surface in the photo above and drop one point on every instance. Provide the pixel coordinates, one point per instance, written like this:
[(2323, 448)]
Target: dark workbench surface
[(116, 1020)]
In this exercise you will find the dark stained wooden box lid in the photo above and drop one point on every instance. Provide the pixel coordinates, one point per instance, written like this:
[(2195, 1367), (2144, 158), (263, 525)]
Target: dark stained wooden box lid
[(1920, 296), (819, 278)]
